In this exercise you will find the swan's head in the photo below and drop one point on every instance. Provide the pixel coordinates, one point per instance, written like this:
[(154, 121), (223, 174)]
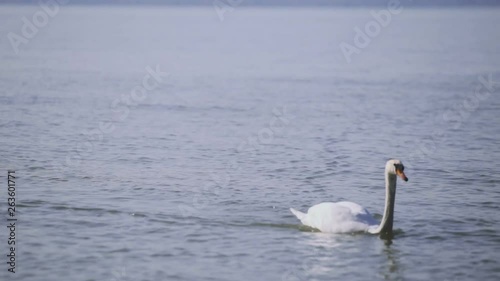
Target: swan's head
[(396, 167)]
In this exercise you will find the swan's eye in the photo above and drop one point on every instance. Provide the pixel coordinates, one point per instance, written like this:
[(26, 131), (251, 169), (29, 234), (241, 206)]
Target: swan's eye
[(399, 167)]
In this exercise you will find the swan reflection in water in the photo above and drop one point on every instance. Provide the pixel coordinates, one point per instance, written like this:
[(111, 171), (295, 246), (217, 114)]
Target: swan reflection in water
[(340, 256), (392, 269), (322, 253)]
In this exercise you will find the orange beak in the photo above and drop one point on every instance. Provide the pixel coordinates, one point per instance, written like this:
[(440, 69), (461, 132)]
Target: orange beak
[(402, 175)]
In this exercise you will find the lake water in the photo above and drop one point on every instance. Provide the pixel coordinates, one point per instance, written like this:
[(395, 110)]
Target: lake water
[(192, 178)]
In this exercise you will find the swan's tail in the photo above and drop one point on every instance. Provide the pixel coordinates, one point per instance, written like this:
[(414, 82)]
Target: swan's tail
[(298, 214)]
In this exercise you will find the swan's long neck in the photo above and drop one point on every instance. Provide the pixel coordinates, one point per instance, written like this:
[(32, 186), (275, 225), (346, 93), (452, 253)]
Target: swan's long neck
[(385, 227)]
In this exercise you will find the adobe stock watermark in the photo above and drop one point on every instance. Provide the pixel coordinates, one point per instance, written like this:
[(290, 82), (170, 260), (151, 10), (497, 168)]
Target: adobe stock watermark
[(30, 28), (119, 274), (252, 144), (363, 37), (454, 118), (120, 108), (223, 6)]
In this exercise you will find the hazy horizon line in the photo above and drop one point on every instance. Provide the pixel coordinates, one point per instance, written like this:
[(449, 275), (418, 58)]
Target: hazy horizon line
[(270, 3)]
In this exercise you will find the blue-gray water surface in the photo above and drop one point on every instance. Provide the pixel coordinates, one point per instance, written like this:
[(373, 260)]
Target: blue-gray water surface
[(162, 143)]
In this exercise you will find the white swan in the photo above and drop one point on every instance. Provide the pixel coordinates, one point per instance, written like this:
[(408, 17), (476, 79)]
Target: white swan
[(346, 217)]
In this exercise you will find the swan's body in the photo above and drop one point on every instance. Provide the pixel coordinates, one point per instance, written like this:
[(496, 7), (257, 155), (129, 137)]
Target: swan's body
[(346, 217), (340, 217)]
